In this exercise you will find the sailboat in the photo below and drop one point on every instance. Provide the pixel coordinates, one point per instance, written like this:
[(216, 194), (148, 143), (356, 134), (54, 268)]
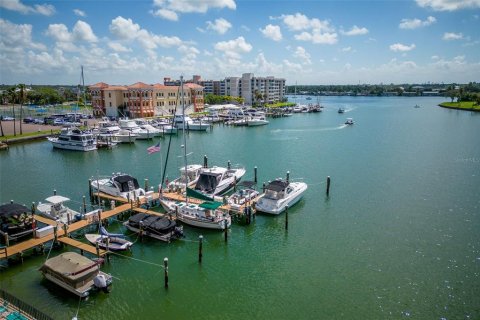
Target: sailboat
[(204, 215)]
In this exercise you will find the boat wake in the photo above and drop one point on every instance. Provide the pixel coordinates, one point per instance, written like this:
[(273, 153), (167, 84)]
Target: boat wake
[(276, 131)]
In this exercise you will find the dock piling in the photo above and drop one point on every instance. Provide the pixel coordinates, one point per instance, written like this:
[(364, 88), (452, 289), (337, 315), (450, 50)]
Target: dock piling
[(200, 245), (54, 192), (84, 205), (286, 218), (229, 165), (255, 174), (226, 232), (98, 250), (146, 184), (165, 264), (205, 161), (7, 241), (263, 188), (288, 176), (328, 186), (90, 191), (11, 201), (33, 207)]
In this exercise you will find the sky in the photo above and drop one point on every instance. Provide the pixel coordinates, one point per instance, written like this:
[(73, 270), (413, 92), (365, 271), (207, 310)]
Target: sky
[(305, 42)]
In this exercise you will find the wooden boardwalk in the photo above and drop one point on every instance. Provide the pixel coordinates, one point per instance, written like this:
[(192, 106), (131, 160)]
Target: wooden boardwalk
[(82, 246)]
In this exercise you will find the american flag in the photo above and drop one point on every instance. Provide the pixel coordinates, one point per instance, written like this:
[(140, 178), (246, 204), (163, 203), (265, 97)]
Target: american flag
[(153, 149)]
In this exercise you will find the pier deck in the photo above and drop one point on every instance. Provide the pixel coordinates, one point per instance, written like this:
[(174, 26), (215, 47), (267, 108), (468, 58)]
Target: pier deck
[(82, 246)]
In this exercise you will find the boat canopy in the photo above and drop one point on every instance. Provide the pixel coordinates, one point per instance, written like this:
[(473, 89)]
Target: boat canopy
[(208, 181), (277, 185), (126, 182), (11, 209), (57, 199), (72, 268), (198, 195), (210, 205)]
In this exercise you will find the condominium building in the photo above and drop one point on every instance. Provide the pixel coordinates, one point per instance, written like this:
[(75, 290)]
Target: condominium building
[(143, 100)]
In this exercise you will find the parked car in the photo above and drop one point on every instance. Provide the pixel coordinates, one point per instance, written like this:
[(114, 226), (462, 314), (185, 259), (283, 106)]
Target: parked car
[(7, 118), (48, 120), (28, 120), (58, 122), (38, 121)]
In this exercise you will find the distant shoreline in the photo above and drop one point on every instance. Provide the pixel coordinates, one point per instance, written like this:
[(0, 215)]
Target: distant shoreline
[(464, 106)]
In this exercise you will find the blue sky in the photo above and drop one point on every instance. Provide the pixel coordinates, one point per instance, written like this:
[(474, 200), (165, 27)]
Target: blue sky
[(306, 42)]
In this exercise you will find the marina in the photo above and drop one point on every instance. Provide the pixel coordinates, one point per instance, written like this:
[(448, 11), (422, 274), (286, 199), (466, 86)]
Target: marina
[(390, 210)]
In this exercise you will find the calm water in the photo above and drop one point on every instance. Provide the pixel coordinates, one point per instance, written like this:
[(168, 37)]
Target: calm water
[(398, 237)]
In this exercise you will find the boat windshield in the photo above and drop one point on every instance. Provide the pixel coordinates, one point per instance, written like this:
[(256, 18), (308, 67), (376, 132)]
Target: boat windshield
[(274, 195)]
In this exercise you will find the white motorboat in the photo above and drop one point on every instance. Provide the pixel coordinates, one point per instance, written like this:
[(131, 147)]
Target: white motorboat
[(245, 194), (110, 128), (119, 185), (109, 242), (204, 215), (165, 126), (55, 209), (297, 109), (76, 273), (349, 121), (72, 138), (182, 121), (341, 110), (217, 180), (188, 177), (131, 126), (160, 228), (143, 124), (279, 194), (257, 121)]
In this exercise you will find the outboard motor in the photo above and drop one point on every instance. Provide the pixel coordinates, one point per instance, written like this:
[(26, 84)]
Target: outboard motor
[(101, 283)]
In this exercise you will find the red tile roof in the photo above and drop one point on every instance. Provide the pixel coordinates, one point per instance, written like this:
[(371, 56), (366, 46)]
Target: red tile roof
[(99, 85), (139, 85)]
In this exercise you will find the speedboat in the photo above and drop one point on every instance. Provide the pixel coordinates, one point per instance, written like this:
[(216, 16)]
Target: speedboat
[(131, 126), (257, 121), (217, 180), (341, 110), (72, 138), (160, 228), (143, 124), (279, 194), (76, 273), (121, 135), (119, 185), (204, 215), (16, 222), (180, 121), (188, 177), (243, 195), (165, 126), (349, 121), (109, 242), (55, 209)]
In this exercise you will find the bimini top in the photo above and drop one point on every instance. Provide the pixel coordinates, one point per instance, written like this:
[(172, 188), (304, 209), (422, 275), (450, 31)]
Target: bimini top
[(57, 199), (71, 267), (11, 209), (277, 185), (126, 182)]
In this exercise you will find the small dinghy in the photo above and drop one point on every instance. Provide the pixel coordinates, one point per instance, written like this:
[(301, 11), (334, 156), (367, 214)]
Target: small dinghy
[(110, 241)]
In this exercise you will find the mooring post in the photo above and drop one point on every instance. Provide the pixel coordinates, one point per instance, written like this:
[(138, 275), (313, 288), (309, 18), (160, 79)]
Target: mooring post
[(7, 241), (228, 165), (33, 208), (288, 176), (328, 186), (141, 230), (165, 265), (90, 190), (226, 231), (54, 192), (146, 184), (65, 230), (98, 250), (263, 187), (54, 234), (112, 204), (255, 174), (200, 244), (100, 216), (69, 218), (286, 218), (205, 161), (11, 201)]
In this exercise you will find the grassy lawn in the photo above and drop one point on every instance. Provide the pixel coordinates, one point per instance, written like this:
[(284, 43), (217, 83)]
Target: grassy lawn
[(464, 105), (29, 134)]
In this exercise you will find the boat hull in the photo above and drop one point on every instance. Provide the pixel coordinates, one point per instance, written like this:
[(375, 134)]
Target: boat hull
[(75, 147), (269, 206)]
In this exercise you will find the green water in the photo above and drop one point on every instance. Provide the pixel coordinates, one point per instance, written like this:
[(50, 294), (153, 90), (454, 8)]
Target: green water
[(397, 238)]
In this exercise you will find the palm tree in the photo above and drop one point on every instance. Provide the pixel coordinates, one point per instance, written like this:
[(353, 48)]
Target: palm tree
[(11, 97), (22, 94)]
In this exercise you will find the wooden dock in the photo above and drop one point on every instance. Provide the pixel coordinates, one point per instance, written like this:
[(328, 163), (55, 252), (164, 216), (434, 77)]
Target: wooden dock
[(82, 246)]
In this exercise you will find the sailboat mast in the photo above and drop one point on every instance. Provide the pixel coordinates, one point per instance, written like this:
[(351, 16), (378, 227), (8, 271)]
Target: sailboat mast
[(184, 138)]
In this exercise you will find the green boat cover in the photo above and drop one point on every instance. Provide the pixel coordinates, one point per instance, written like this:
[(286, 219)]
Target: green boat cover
[(198, 195), (210, 205)]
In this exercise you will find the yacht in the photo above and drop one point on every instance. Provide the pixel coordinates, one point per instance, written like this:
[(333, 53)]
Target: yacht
[(55, 209), (131, 126), (245, 194), (217, 180), (279, 194), (349, 121), (72, 138), (189, 175), (76, 273), (165, 126), (257, 121), (121, 136), (143, 124), (204, 215), (119, 185), (180, 121), (160, 228)]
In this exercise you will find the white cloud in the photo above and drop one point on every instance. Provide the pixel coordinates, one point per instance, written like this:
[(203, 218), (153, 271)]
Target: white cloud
[(169, 9), (166, 14), (449, 5), (18, 6), (355, 31), (452, 36), (118, 47), (59, 32), (401, 47), (79, 13), (234, 48), (416, 23), (83, 32), (298, 22), (303, 55), (317, 38), (435, 57), (124, 28), (272, 32), (220, 26), (17, 37)]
